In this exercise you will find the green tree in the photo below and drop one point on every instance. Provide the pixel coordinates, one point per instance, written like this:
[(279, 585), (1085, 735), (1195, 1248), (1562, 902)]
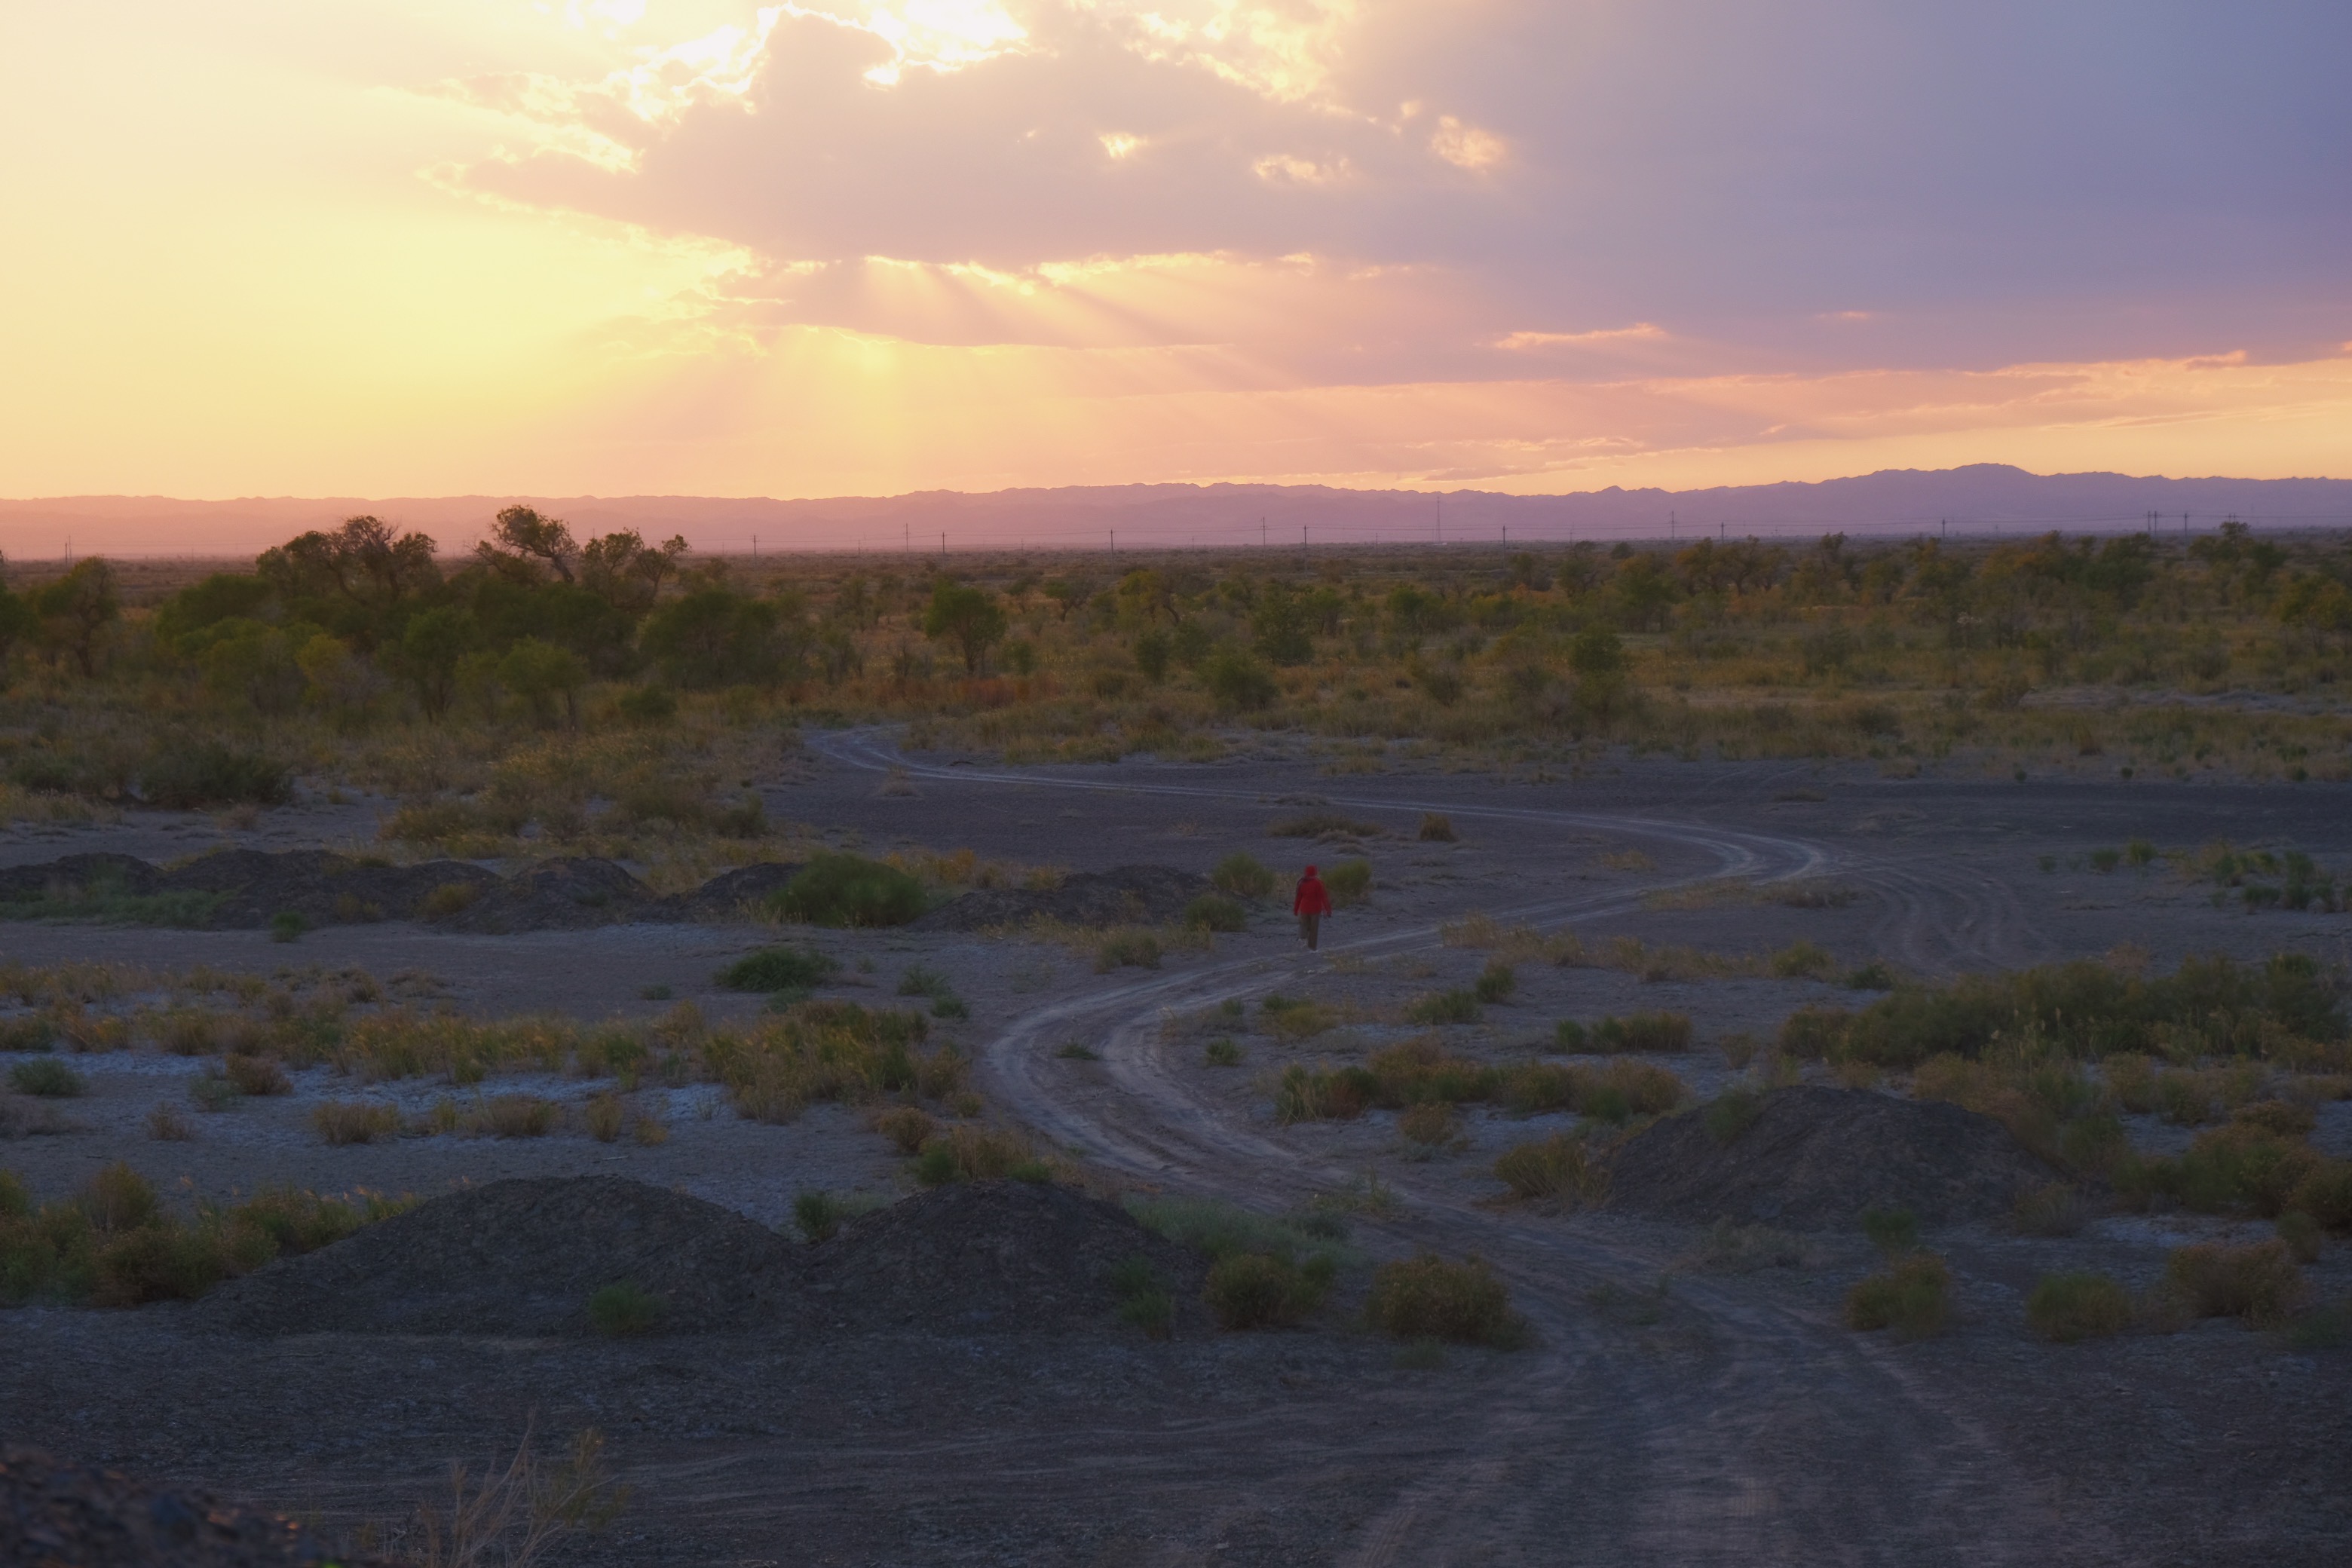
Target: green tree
[(968, 617), (17, 620), (432, 648), (75, 611), (255, 664), (1238, 682), (715, 637), (1279, 625), (626, 572), (1152, 651), (543, 674), (522, 539)]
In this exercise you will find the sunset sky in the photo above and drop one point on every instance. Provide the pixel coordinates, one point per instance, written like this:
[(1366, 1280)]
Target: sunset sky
[(360, 248)]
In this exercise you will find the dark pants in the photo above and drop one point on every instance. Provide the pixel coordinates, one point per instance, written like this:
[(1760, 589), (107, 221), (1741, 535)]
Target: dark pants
[(1310, 927)]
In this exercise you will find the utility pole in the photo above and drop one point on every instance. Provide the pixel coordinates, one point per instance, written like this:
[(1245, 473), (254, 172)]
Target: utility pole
[(1674, 524), (1441, 519), (1261, 533)]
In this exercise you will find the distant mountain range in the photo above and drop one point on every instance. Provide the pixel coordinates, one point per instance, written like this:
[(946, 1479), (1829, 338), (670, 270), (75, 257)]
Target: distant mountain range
[(1984, 497)]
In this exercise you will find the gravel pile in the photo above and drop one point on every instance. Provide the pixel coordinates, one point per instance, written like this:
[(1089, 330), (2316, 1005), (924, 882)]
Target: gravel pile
[(1815, 1158), (56, 1515), (1126, 895), (993, 1257), (522, 1257)]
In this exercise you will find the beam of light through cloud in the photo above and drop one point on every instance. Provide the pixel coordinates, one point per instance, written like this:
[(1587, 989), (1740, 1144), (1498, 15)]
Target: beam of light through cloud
[(885, 245)]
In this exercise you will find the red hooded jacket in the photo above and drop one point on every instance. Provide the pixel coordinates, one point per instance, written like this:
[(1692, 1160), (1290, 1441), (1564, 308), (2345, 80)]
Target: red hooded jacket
[(1313, 899)]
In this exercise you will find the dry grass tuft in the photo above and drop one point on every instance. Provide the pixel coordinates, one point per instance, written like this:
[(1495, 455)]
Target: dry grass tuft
[(346, 1122)]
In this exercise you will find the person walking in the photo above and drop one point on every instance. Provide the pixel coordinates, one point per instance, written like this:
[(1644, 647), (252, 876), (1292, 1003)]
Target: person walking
[(1311, 903)]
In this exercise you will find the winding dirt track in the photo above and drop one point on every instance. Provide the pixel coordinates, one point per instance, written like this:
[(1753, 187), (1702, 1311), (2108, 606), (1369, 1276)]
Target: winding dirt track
[(1768, 1437)]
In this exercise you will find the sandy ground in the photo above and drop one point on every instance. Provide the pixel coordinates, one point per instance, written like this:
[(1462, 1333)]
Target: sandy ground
[(1722, 1418)]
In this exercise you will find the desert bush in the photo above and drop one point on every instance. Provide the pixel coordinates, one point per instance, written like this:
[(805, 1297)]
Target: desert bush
[(649, 1131), (1349, 883), (839, 889), (1240, 875), (1143, 1299), (906, 1127), (979, 1154), (287, 925), (1804, 960), (2326, 1194), (624, 1307), (1264, 1290), (166, 1125), (1431, 1125), (48, 1079), (1561, 1168), (2241, 1164), (1222, 1052), (2257, 1281), (520, 1116), (1132, 948), (1912, 1294), (1436, 827), (1495, 982), (207, 773), (446, 900), (1212, 911), (828, 1051), (1459, 1005), (1322, 823), (604, 1115), (1728, 1249), (2304, 1236), (1644, 1032), (774, 969), (1426, 1297), (256, 1074), (345, 1122), (2078, 1306), (818, 1214)]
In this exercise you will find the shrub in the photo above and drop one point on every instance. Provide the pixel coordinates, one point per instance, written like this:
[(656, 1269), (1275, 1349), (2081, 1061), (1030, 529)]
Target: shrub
[(519, 1116), (1570, 1038), (48, 1077), (624, 1307), (1432, 1125), (1349, 883), (1644, 1032), (1427, 1298), (185, 777), (1238, 683), (1143, 1298), (1873, 976), (2257, 1281), (256, 1074), (1322, 824), (604, 1116), (1222, 1052), (650, 1131), (166, 1125), (647, 705), (978, 1154), (1266, 1290), (2302, 1234), (837, 890), (1133, 948), (1456, 1007), (1212, 911), (1912, 1294), (906, 1127), (1496, 981), (1804, 960), (2242, 1163), (446, 900), (342, 1122), (1241, 876), (819, 1215), (2057, 1209), (1733, 1113), (2326, 1194), (1436, 827), (1561, 1167), (779, 969), (119, 1198), (2078, 1306)]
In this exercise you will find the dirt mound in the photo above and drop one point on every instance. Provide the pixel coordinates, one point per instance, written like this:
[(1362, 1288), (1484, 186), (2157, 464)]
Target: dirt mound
[(1815, 1158), (557, 895), (731, 895), (522, 1258), (53, 1514), (252, 887), (992, 1255), (1126, 895)]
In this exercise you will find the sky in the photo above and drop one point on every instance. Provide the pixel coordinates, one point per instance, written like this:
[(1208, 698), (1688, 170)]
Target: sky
[(874, 247)]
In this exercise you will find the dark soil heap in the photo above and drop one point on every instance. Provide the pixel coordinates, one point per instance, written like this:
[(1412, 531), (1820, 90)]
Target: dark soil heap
[(1816, 1158), (992, 1255), (1126, 895), (522, 1257), (53, 1515)]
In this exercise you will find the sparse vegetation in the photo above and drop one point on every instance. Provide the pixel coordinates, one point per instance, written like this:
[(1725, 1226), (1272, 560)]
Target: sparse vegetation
[(779, 969), (1911, 1295), (1133, 948), (1427, 1296), (839, 889), (347, 1122), (1562, 1168), (48, 1079), (623, 1308), (2078, 1306), (2257, 1281), (1436, 827)]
